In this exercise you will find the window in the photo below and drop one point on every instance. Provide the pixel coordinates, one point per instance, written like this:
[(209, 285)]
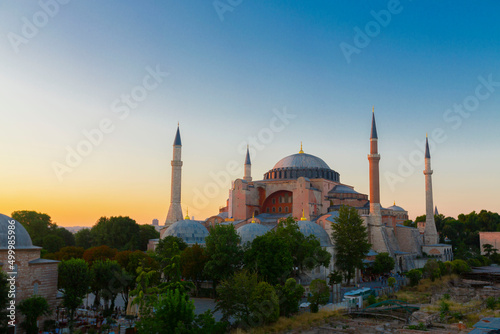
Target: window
[(35, 289), (286, 209), (279, 209), (274, 210), (267, 210), (274, 200)]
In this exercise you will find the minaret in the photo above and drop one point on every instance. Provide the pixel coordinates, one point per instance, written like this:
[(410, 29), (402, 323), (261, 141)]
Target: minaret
[(429, 229), (175, 210), (248, 167), (375, 219), (374, 159)]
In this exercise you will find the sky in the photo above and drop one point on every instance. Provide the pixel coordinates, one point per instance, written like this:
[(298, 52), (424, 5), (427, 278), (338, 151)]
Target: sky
[(91, 93)]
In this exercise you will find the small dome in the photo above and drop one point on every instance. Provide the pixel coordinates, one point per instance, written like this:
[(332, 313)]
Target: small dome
[(301, 160), (396, 208), (190, 231), (343, 189), (251, 231), (309, 228), (22, 237)]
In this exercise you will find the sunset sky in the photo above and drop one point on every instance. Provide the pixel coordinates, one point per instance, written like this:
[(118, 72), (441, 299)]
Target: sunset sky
[(124, 73)]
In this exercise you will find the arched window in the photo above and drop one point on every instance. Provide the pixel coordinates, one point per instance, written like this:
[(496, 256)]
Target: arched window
[(35, 289)]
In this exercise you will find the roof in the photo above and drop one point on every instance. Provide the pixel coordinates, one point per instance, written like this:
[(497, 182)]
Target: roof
[(396, 208), (437, 245), (373, 134), (40, 261), (489, 324), (308, 228), (247, 160), (301, 160), (251, 231), (427, 152), (177, 141), (191, 231), (372, 253), (343, 189), (22, 237)]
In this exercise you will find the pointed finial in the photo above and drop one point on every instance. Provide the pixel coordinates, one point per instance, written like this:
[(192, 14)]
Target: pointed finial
[(394, 203), (301, 151), (303, 215), (247, 159), (373, 109), (426, 136), (177, 140), (373, 134), (187, 214), (253, 218)]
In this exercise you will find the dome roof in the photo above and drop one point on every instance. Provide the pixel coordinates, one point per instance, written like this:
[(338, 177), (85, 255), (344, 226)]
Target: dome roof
[(190, 231), (251, 231), (396, 208), (309, 228), (301, 160), (23, 239)]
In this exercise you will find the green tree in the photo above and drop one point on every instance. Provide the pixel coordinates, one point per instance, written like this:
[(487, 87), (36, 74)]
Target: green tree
[(264, 305), (83, 238), (459, 266), (233, 296), (107, 279), (100, 253), (66, 253), (289, 296), (174, 313), (306, 252), (67, 236), (147, 232), (168, 253), (414, 275), (193, 260), (489, 250), (37, 224), (384, 263), (53, 243), (392, 283), (225, 255), (121, 233), (319, 294), (351, 241), (33, 308), (73, 281), (431, 269), (270, 256)]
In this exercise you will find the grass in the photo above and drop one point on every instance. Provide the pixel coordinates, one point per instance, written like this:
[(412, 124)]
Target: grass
[(422, 293), (302, 321)]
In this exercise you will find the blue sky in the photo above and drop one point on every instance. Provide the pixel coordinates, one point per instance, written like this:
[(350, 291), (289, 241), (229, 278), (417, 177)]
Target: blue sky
[(226, 79)]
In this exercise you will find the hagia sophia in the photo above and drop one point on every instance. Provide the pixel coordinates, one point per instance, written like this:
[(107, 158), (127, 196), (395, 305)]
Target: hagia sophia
[(304, 186)]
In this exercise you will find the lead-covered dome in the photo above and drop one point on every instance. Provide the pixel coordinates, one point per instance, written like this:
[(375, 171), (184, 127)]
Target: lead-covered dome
[(308, 228), (302, 164), (192, 232), (251, 231), (21, 236)]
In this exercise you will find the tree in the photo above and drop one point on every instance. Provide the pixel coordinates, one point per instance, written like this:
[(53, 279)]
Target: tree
[(174, 314), (351, 241), (224, 253), (107, 279), (38, 225), (53, 243), (73, 281), (391, 282), (4, 302), (83, 238), (459, 267), (147, 232), (100, 253), (234, 294), (69, 252), (431, 269), (270, 256), (168, 253), (67, 236), (264, 304), (489, 250), (319, 294), (384, 263), (414, 275), (306, 252), (193, 260), (33, 308), (120, 232), (289, 296)]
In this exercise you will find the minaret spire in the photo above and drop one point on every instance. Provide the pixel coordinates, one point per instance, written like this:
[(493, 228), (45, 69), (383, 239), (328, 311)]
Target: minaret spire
[(248, 167), (175, 210), (429, 227)]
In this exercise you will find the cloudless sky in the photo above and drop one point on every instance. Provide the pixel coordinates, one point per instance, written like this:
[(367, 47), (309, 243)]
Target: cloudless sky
[(231, 70)]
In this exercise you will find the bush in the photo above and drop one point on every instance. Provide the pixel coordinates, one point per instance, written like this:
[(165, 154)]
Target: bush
[(371, 300), (459, 267), (431, 269), (264, 304), (474, 263), (491, 303), (319, 294), (289, 297)]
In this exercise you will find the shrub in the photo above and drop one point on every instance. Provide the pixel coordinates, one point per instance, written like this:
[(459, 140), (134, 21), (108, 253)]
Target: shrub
[(415, 276), (460, 266), (491, 303)]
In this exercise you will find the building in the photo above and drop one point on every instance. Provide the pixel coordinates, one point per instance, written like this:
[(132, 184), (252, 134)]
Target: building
[(303, 185), (33, 275)]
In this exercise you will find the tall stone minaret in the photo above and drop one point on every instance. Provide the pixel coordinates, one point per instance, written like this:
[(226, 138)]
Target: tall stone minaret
[(375, 219), (175, 210), (248, 167), (429, 229)]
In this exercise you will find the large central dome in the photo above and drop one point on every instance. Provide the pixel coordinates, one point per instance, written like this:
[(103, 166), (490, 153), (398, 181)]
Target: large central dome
[(301, 160), (301, 164)]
